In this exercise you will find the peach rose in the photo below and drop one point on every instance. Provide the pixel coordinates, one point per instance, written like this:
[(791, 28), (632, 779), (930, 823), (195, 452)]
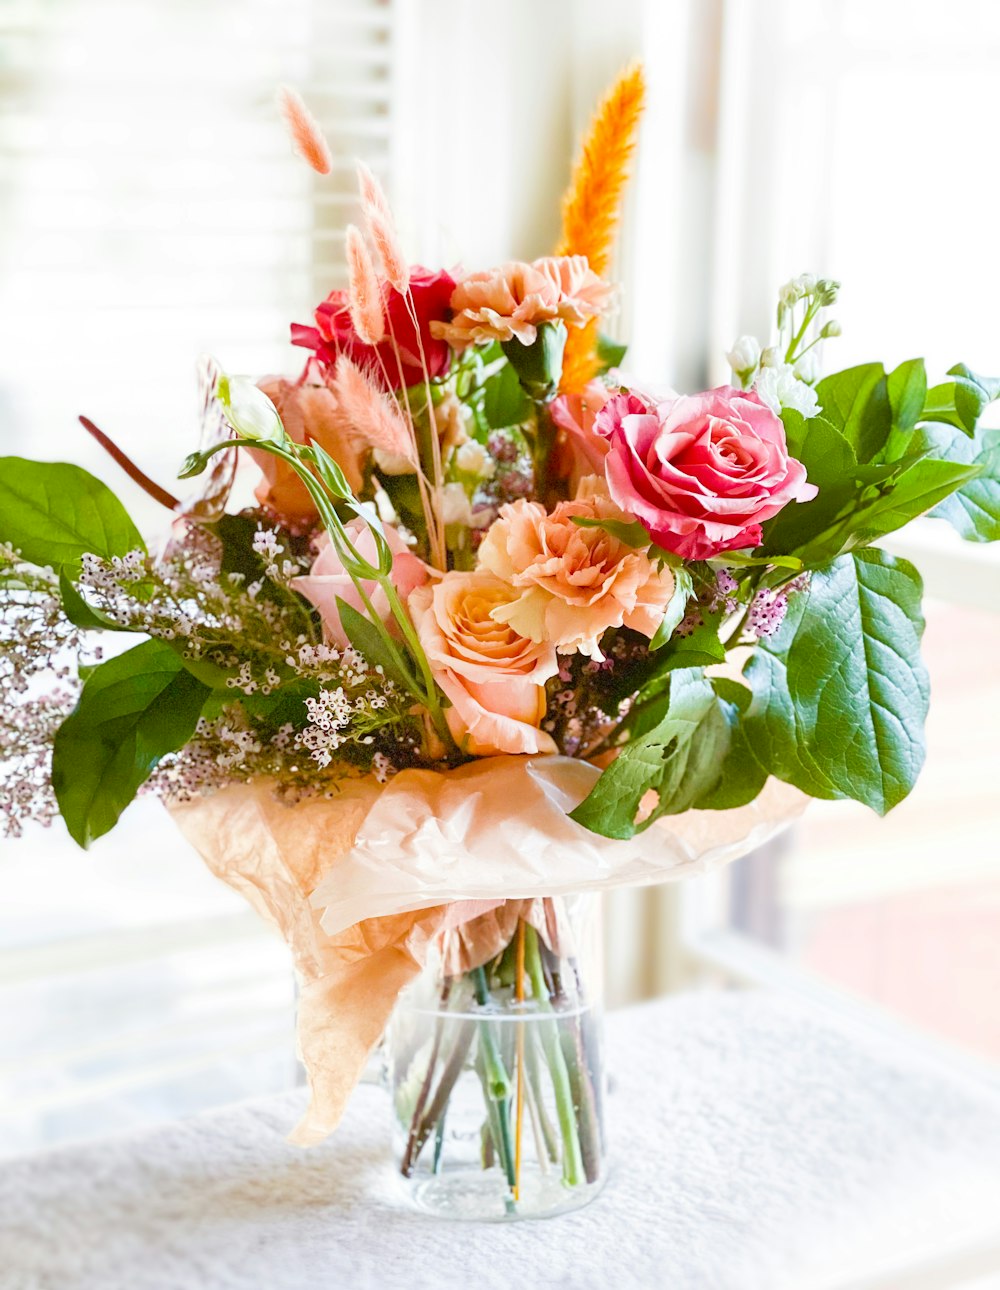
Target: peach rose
[(494, 677), (307, 412), (574, 582), (327, 579), (511, 301)]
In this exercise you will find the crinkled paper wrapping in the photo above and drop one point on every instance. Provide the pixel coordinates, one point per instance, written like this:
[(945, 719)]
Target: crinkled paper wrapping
[(359, 884)]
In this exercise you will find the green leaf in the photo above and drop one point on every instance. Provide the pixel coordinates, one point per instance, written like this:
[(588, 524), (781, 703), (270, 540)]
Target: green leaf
[(369, 641), (80, 613), (974, 509), (132, 710), (504, 401), (961, 402), (740, 776), (53, 513), (630, 532), (675, 759), (610, 353), (856, 402), (830, 464), (740, 560), (840, 692), (330, 472), (920, 486), (676, 608), (907, 388)]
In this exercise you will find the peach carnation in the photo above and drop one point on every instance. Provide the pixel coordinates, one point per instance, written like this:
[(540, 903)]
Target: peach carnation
[(493, 676), (512, 300), (574, 582)]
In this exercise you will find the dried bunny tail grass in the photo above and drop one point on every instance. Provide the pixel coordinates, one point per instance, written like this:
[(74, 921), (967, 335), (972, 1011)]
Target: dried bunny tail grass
[(373, 196), (390, 252), (592, 205), (364, 294), (370, 412), (307, 137)]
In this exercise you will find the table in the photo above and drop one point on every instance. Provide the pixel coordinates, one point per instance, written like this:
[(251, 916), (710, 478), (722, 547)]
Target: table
[(760, 1144)]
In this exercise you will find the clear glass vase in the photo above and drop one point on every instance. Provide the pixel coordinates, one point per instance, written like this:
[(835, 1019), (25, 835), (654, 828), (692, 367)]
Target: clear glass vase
[(495, 1065)]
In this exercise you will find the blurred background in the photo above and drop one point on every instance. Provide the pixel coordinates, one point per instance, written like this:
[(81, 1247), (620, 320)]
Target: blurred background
[(150, 210)]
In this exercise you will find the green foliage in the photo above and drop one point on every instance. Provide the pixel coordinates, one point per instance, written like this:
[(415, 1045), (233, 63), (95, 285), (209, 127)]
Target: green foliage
[(961, 402), (974, 509), (840, 693), (856, 402), (674, 759), (610, 353), (740, 776), (630, 532), (676, 608), (369, 641), (132, 710), (504, 402), (79, 612), (53, 513)]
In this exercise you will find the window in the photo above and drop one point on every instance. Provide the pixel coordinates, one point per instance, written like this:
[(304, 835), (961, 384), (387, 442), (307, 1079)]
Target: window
[(839, 123), (150, 210)]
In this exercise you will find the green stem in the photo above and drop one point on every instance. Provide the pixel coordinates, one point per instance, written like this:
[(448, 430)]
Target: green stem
[(496, 1081), (549, 1031)]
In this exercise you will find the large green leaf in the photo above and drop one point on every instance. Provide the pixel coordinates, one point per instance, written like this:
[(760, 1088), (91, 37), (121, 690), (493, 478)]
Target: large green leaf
[(53, 513), (678, 758), (839, 692), (962, 401), (132, 710), (831, 464), (974, 509), (370, 643), (740, 775), (856, 402), (920, 486)]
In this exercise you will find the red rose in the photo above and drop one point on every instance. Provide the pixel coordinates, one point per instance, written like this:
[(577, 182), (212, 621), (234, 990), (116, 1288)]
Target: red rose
[(334, 333), (700, 473)]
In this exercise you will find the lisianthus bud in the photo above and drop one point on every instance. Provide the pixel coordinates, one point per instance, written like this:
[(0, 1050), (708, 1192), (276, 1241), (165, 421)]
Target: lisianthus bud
[(248, 410), (744, 358)]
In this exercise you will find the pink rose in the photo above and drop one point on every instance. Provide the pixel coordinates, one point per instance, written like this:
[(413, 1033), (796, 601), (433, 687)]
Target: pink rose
[(494, 677), (327, 579), (701, 473), (579, 450)]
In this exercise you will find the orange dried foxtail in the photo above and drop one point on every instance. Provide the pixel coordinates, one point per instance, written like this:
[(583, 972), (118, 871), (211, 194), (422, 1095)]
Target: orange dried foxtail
[(307, 137), (591, 207)]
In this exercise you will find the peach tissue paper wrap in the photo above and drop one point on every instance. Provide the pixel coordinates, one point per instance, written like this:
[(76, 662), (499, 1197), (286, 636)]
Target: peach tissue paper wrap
[(360, 883)]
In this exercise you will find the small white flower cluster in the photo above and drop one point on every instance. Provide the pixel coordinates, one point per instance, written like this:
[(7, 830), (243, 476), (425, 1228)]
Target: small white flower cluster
[(278, 565)]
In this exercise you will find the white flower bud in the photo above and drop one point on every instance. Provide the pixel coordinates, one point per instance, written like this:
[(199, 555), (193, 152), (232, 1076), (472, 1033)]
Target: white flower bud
[(832, 328), (393, 463), (248, 409), (806, 283), (744, 357), (788, 294), (771, 357), (455, 507)]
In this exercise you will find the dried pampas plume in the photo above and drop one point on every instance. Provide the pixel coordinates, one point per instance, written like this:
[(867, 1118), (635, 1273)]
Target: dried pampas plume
[(364, 294), (307, 137), (371, 413), (592, 204)]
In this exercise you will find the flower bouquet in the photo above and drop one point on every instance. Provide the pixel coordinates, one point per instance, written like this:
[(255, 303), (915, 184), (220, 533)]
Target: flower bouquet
[(504, 627)]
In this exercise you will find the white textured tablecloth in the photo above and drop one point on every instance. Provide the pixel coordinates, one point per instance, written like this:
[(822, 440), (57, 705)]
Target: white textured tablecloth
[(758, 1146)]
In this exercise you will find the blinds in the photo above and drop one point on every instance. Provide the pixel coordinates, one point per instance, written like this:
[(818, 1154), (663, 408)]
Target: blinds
[(151, 208)]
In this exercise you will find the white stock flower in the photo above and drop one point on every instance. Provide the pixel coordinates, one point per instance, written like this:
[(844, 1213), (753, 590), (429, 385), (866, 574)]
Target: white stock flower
[(780, 388), (744, 357)]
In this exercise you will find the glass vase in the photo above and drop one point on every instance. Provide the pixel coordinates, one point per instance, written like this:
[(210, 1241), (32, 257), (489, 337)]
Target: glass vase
[(495, 1065)]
